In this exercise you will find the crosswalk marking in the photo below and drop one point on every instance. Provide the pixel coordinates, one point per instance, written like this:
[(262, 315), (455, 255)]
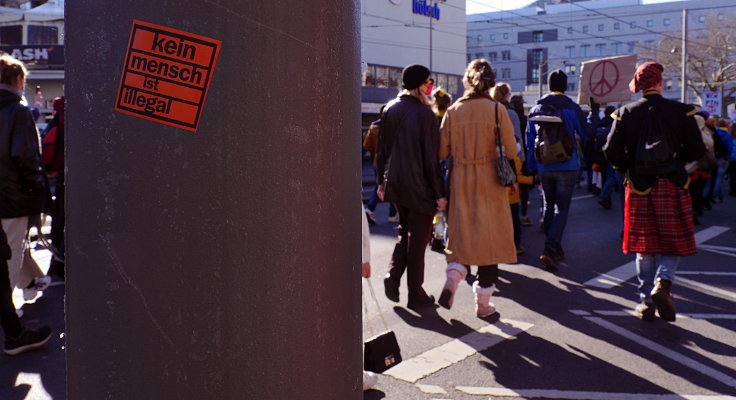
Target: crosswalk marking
[(581, 395), (707, 288), (627, 313), (664, 351), (627, 271), (456, 350)]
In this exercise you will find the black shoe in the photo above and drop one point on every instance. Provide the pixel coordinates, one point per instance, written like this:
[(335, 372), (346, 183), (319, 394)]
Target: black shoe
[(558, 255), (548, 260), (420, 304), (605, 203), (662, 298), (391, 287), (645, 311), (29, 339)]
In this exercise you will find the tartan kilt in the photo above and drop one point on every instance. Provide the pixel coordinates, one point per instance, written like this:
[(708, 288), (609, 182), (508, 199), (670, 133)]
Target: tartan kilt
[(660, 222)]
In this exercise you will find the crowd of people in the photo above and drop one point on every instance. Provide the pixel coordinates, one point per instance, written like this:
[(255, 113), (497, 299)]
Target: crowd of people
[(29, 177), (667, 160)]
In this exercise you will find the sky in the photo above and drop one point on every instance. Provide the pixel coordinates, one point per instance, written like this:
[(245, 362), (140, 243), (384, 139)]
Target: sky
[(479, 6)]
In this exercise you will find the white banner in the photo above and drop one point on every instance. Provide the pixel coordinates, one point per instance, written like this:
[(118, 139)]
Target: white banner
[(712, 102), (606, 79)]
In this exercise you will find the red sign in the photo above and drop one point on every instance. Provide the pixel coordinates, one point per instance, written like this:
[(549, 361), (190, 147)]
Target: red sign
[(167, 75)]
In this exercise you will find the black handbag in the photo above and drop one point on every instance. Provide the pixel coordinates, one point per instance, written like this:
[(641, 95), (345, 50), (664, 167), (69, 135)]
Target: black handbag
[(504, 166), (381, 351)]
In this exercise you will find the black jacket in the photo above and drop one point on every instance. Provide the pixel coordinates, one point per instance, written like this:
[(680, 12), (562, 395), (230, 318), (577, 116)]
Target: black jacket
[(679, 122), (408, 167), (23, 186)]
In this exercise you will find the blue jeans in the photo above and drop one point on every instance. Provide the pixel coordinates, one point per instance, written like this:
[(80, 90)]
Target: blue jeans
[(649, 271), (558, 187)]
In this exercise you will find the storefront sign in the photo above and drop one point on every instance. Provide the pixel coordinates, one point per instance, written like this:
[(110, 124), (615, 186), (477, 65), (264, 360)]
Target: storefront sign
[(167, 75), (422, 8), (37, 55)]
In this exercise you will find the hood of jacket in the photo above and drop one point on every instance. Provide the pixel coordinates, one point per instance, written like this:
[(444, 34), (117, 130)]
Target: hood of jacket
[(7, 96), (557, 100)]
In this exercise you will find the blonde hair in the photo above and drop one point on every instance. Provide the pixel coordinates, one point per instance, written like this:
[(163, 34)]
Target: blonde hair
[(441, 100), (10, 69), (416, 93), (479, 77), (500, 91)]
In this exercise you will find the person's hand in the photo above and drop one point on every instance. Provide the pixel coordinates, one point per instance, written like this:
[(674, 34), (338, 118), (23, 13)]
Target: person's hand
[(441, 204), (366, 273), (594, 107), (379, 191)]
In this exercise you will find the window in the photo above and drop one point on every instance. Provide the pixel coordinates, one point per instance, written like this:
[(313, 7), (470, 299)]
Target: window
[(538, 36), (506, 55), (667, 22), (650, 23), (617, 26), (479, 38), (584, 50), (668, 85), (600, 49), (630, 47), (569, 31), (570, 70), (505, 35), (585, 28), (382, 77), (39, 34), (569, 51), (617, 48), (701, 18), (632, 25), (492, 56), (601, 27), (12, 34), (570, 87), (478, 55), (470, 58), (506, 73), (493, 36)]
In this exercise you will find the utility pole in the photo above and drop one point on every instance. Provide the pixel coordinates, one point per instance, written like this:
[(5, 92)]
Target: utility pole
[(683, 85), (430, 42)]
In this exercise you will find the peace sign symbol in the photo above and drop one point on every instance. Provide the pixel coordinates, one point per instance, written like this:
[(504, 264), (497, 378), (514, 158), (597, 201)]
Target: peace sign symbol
[(603, 78)]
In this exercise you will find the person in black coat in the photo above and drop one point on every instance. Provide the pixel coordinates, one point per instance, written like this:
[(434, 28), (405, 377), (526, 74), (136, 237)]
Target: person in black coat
[(409, 175)]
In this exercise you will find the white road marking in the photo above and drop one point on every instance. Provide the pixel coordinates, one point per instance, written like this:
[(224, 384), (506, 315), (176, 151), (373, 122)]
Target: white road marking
[(723, 253), (586, 196), (664, 351), (714, 247), (431, 389), (580, 312), (571, 394), (626, 313), (627, 271), (707, 288), (456, 350), (37, 391)]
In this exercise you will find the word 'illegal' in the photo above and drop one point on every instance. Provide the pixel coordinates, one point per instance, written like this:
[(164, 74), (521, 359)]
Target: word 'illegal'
[(150, 104)]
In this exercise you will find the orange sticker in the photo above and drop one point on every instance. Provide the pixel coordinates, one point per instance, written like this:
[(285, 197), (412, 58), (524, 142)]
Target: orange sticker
[(167, 74)]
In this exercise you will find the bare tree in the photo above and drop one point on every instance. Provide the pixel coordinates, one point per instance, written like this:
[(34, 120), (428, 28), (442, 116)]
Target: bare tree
[(711, 57)]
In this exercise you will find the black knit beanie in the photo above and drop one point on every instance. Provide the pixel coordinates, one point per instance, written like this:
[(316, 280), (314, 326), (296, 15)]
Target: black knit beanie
[(414, 76), (558, 81)]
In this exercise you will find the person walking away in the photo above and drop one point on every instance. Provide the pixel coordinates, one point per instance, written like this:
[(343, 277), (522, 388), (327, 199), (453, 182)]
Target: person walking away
[(558, 179), (479, 221), (722, 135), (24, 192), (700, 170), (370, 144), (55, 174), (517, 104), (651, 140), (409, 176)]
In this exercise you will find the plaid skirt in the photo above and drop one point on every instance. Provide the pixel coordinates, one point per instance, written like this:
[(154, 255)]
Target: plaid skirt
[(660, 222)]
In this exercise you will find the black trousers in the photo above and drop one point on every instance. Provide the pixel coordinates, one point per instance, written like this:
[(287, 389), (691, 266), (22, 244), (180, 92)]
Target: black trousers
[(487, 275), (415, 231), (8, 318)]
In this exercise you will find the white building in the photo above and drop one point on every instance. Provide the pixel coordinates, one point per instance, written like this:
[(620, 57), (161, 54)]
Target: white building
[(396, 33)]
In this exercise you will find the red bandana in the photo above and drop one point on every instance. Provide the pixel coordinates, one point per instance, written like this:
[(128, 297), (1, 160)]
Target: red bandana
[(647, 76)]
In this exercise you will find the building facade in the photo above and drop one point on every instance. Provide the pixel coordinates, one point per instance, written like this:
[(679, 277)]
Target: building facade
[(396, 33), (562, 36)]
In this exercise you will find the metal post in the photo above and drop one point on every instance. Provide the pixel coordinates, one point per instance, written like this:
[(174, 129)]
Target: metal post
[(540, 78), (683, 88), (221, 263), (430, 41)]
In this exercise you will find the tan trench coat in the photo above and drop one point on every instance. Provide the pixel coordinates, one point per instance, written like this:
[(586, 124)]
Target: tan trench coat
[(480, 229)]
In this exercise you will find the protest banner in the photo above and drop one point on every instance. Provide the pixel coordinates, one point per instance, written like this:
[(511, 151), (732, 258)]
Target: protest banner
[(606, 79)]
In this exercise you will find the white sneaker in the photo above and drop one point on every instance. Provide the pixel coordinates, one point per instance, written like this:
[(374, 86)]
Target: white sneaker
[(369, 380)]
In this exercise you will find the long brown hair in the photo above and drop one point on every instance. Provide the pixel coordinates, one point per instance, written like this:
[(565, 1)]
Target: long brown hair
[(500, 91), (10, 69), (478, 78)]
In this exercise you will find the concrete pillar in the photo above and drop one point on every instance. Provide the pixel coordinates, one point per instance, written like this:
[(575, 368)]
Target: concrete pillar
[(221, 263)]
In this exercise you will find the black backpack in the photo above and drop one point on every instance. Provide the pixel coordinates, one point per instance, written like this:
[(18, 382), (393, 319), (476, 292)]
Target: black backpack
[(553, 143), (656, 149)]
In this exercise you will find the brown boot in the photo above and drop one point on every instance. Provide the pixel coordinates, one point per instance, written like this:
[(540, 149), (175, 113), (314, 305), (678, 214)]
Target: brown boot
[(645, 311), (663, 300)]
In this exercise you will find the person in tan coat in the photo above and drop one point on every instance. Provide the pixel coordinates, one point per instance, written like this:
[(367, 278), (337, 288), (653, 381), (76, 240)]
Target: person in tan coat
[(480, 229)]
